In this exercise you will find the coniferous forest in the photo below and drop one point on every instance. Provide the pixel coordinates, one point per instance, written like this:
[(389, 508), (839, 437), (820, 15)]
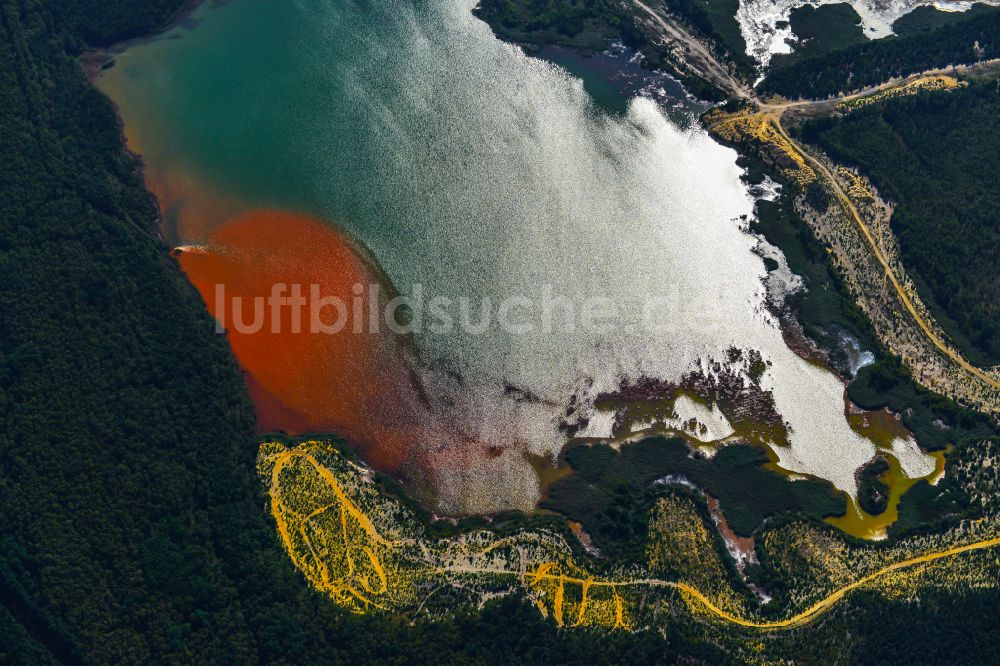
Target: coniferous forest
[(132, 525), (938, 156), (134, 528), (963, 42)]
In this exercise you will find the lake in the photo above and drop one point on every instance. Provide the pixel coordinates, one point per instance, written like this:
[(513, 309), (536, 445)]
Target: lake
[(401, 144)]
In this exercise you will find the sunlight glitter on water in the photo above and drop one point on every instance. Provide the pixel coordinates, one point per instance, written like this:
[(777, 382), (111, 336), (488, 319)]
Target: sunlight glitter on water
[(460, 164)]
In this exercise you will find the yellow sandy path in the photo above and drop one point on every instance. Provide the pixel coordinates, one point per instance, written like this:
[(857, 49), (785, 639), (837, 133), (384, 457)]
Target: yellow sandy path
[(827, 602), (365, 595), (772, 112), (798, 620), (903, 296), (549, 571)]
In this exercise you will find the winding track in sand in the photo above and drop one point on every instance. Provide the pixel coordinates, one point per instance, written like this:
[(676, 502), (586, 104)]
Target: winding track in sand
[(544, 572), (701, 60)]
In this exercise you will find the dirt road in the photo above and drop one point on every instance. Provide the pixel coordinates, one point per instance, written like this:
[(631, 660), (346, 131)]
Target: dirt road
[(904, 296), (697, 55)]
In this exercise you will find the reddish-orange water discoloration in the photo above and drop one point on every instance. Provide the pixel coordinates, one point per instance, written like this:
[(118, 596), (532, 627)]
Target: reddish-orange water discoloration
[(358, 385), (368, 388)]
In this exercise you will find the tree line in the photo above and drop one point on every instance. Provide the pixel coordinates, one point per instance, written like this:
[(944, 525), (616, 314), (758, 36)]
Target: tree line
[(134, 527), (937, 156), (963, 42)]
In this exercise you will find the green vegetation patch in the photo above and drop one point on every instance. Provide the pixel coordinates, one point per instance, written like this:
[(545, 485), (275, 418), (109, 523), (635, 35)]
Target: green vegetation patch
[(938, 157), (823, 308), (722, 15), (822, 29), (103, 23), (928, 17), (716, 19), (873, 493), (610, 492), (872, 63), (937, 423)]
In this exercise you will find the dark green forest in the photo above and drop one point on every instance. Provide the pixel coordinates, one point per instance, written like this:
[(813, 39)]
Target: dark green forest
[(929, 17), (588, 25), (133, 526), (873, 493), (875, 62), (585, 24), (937, 156), (104, 23), (825, 310), (820, 30)]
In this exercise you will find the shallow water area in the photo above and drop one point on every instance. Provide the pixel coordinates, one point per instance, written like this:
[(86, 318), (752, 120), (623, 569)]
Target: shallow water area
[(454, 165), (614, 76)]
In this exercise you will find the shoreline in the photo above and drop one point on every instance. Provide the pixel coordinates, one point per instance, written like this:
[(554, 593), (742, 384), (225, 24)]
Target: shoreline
[(182, 16), (804, 346), (96, 60), (819, 352)]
